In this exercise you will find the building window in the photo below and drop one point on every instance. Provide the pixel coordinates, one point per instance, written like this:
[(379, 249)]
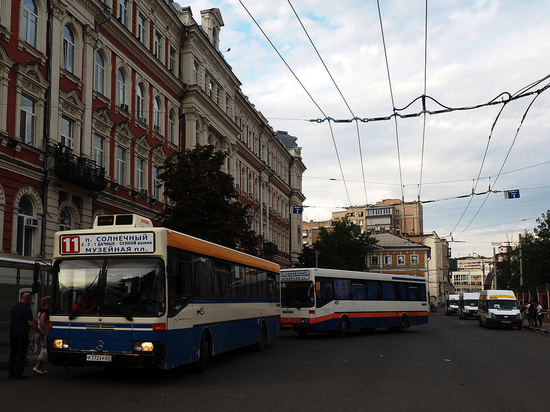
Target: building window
[(123, 12), (400, 259), (139, 173), (98, 150), (171, 127), (26, 225), (67, 132), (172, 61), (120, 165), (196, 133), (141, 29), (157, 184), (211, 90), (30, 22), (158, 43), (65, 219), (374, 260), (140, 103), (28, 119), (99, 73), (414, 259), (156, 115), (387, 260), (121, 88), (68, 49), (195, 73)]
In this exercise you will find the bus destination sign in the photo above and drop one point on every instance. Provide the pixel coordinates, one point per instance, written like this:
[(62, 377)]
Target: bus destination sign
[(116, 243), (294, 275)]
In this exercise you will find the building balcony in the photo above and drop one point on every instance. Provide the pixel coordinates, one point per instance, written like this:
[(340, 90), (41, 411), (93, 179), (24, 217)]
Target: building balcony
[(80, 171)]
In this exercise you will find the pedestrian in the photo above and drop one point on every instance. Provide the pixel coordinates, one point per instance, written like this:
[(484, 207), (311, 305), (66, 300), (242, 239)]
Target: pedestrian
[(531, 313), (38, 342), (538, 314), (21, 321)]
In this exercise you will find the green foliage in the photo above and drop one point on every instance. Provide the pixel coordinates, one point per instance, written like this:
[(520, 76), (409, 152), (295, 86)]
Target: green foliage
[(535, 259), (204, 201), (343, 247)]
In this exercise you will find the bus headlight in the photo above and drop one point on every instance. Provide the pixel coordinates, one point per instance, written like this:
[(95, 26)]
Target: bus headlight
[(61, 343), (143, 347)]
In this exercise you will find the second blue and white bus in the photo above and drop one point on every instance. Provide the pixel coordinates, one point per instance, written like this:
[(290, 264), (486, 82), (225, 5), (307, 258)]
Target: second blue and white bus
[(326, 300), (129, 294)]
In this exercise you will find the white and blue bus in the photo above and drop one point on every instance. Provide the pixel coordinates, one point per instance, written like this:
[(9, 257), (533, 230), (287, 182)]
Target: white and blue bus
[(125, 293), (326, 300)]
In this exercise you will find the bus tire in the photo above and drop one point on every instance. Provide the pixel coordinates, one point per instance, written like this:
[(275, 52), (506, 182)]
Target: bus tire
[(260, 345), (403, 324), (200, 364), (344, 327)]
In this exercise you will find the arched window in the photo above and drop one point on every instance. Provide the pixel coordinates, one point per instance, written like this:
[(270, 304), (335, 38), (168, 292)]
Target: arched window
[(65, 219), (99, 73), (140, 102), (121, 87), (171, 127), (156, 115), (26, 226), (30, 22), (68, 49)]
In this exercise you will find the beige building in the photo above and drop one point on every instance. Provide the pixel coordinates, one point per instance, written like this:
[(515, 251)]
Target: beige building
[(388, 216), (471, 274)]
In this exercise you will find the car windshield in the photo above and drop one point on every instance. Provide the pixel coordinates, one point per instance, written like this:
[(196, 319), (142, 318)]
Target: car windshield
[(470, 302), (109, 287), (503, 304), (297, 295)]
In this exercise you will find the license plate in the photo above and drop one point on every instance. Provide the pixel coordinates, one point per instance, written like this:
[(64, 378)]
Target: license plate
[(506, 321), (286, 325), (98, 358)]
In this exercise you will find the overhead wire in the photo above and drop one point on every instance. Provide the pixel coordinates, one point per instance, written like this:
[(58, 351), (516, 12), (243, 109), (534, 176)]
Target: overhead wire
[(307, 92), (424, 99), (392, 100), (341, 95)]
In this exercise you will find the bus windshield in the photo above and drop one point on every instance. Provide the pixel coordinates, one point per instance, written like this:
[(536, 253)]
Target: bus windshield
[(297, 295), (110, 287)]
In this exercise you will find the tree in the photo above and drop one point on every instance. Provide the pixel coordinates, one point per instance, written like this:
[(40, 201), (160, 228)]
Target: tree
[(535, 258), (203, 200), (343, 247)]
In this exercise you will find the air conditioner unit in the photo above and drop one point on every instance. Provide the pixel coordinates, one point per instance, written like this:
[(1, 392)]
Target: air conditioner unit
[(67, 142), (143, 119), (143, 192), (30, 222), (123, 106)]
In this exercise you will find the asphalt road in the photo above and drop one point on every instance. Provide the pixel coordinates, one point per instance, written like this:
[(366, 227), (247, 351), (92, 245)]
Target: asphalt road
[(447, 365)]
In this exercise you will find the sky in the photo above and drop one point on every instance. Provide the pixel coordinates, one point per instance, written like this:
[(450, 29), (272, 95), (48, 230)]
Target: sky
[(351, 59)]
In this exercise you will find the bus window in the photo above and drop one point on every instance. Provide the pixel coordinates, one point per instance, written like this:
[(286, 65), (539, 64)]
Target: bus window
[(414, 292), (372, 290), (297, 294), (203, 277), (342, 288), (388, 291), (402, 291), (222, 278), (358, 291)]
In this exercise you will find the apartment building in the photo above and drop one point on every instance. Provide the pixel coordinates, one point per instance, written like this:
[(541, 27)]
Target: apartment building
[(471, 274), (388, 216), (96, 94)]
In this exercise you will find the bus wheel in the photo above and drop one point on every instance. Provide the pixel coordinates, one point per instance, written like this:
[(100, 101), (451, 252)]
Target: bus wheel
[(344, 327), (301, 333), (260, 345), (403, 325), (199, 364)]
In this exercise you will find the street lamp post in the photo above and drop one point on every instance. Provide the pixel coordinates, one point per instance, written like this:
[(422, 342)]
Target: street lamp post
[(316, 256)]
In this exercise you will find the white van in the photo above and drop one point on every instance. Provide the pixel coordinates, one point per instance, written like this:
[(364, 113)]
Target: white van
[(498, 308), (467, 305), (451, 306)]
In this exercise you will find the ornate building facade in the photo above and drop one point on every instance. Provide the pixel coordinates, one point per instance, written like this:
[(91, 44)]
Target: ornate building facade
[(94, 95)]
